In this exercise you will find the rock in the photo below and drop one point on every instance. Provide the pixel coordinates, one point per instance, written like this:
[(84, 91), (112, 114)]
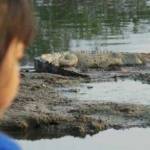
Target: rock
[(68, 60), (109, 60), (132, 59), (146, 57), (65, 59), (51, 58), (104, 60), (58, 63), (42, 65)]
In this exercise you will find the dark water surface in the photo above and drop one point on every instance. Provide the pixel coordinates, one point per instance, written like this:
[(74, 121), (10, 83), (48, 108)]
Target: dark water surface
[(92, 25), (132, 139)]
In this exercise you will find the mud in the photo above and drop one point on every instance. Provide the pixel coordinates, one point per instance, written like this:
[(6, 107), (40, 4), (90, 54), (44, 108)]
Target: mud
[(40, 112)]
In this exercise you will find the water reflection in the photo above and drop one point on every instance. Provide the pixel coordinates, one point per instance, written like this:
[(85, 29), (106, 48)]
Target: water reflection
[(122, 91), (132, 139), (121, 25)]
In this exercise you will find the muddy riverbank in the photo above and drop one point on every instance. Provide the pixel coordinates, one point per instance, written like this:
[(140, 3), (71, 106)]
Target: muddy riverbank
[(39, 111)]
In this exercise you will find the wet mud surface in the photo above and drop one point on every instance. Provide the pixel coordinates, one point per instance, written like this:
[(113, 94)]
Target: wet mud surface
[(39, 111)]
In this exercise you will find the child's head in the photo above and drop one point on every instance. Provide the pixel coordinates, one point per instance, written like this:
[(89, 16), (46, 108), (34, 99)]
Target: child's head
[(16, 30)]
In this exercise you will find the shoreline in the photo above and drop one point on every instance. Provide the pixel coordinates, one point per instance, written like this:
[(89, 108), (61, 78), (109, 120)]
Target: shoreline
[(39, 111)]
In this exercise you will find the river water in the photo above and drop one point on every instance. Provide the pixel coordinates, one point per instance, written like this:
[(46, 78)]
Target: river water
[(121, 91), (92, 25), (132, 139), (96, 25)]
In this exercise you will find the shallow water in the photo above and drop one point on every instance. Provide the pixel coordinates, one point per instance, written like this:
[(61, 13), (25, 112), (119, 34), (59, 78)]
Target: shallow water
[(126, 91), (90, 25), (132, 139)]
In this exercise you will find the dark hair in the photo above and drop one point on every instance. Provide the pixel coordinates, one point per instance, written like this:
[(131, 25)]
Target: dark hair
[(16, 21)]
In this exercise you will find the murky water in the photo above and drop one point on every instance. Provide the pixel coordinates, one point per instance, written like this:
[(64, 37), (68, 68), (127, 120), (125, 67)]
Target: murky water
[(126, 91), (132, 139), (91, 25)]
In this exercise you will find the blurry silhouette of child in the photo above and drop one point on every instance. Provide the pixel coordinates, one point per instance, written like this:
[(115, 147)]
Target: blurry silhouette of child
[(16, 30)]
